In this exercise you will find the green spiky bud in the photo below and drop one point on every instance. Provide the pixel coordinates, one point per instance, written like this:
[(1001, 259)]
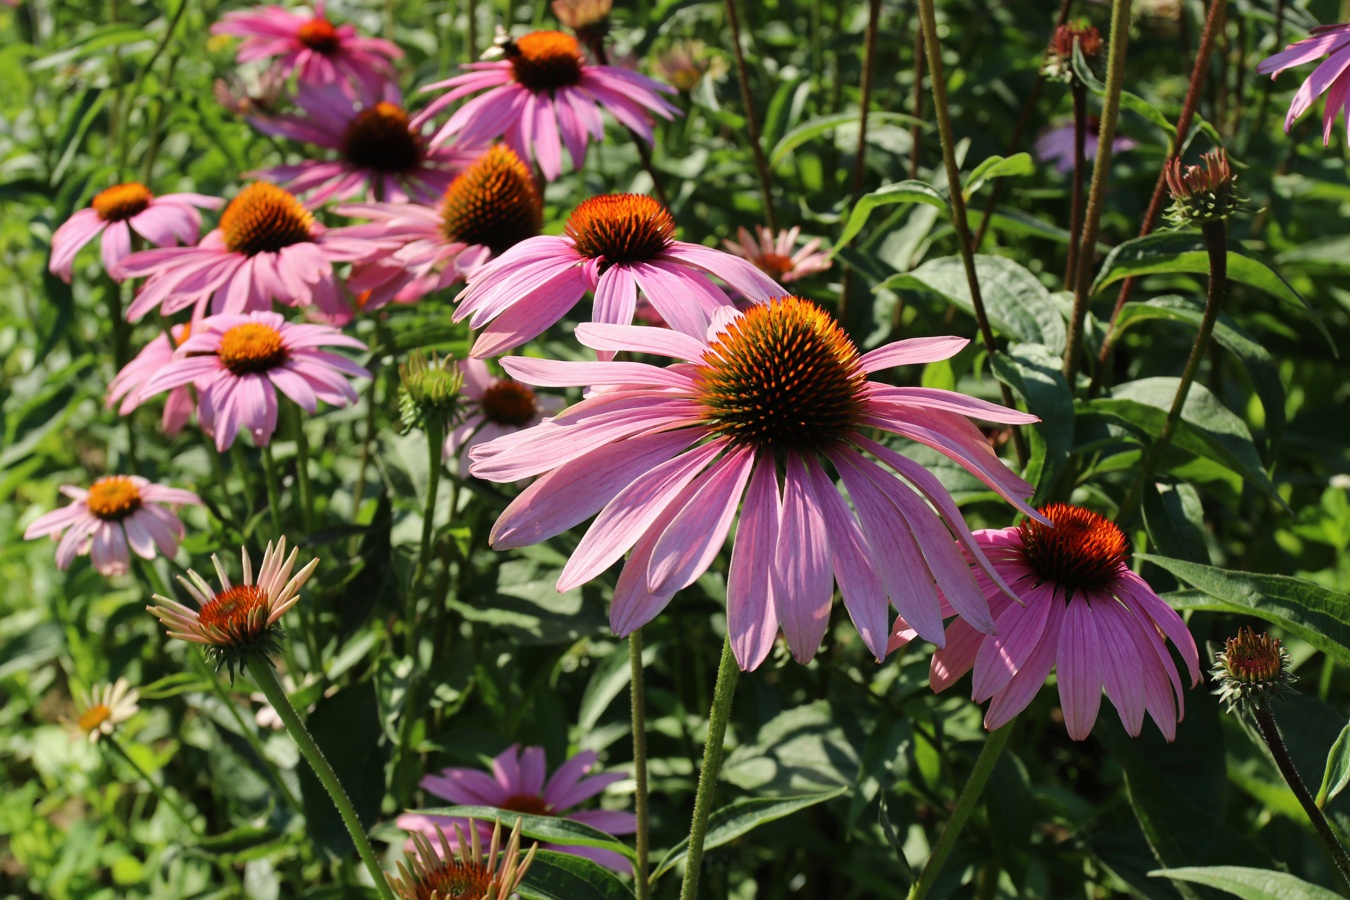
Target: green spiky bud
[(428, 391), (1251, 671)]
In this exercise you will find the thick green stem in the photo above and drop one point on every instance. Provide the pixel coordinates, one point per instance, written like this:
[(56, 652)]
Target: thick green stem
[(266, 678), (637, 689), (159, 791), (435, 445), (751, 122), (965, 805), (248, 732), (723, 691)]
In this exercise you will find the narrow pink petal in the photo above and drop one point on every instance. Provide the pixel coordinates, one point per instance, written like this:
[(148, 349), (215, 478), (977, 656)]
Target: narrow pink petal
[(641, 339), (955, 659), (948, 401), (1031, 677), (803, 577), (913, 351), (565, 373), (565, 777), (690, 543), (752, 621), (1078, 670), (1019, 629), (1124, 682), (533, 766)]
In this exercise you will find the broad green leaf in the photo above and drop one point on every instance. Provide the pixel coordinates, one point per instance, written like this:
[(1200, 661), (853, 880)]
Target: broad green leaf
[(1034, 373), (903, 192), (1018, 305), (810, 130), (997, 167), (1249, 884), (1128, 101), (1184, 253), (1316, 614), (552, 829), (561, 876), (1337, 774), (1176, 521), (739, 818)]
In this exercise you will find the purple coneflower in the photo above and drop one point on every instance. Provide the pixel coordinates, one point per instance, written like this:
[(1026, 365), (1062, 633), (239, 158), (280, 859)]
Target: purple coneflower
[(105, 707), (778, 255), (128, 386), (1056, 145), (1333, 42)]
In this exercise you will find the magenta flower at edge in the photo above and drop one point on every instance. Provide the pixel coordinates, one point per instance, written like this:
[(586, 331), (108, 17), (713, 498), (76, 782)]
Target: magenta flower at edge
[(1056, 145), (239, 362), (517, 783), (1332, 41), (544, 95), (778, 255), (494, 407), (319, 52), (117, 512), (129, 384), (666, 455), (614, 246), (118, 211), (1084, 614), (381, 149)]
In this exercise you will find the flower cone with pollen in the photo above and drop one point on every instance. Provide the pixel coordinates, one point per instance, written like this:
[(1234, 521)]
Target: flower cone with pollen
[(493, 203), (122, 201), (239, 621), (264, 218), (1083, 549), (441, 871), (1251, 671), (620, 228), (381, 138)]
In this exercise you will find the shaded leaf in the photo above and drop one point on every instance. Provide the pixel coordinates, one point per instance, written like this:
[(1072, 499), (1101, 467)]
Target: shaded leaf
[(903, 192), (814, 128), (998, 167), (1176, 521), (1035, 374), (1249, 884), (561, 876), (553, 829), (1337, 773)]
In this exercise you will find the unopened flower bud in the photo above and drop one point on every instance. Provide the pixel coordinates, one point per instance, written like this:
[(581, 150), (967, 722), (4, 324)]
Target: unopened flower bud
[(1204, 193), (589, 19), (428, 391), (1059, 55), (1251, 670)]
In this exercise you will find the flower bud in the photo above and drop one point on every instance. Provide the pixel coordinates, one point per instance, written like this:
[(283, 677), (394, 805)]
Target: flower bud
[(588, 19), (1204, 193), (1059, 55), (1251, 670), (428, 391)]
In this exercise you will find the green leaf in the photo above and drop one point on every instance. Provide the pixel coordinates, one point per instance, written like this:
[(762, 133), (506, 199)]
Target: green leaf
[(1128, 101), (115, 35), (740, 817), (552, 829), (1034, 373), (1018, 305), (814, 128), (1184, 253), (997, 167), (1316, 614), (903, 192), (562, 876), (1337, 773), (906, 871), (1176, 521), (1249, 884), (346, 727)]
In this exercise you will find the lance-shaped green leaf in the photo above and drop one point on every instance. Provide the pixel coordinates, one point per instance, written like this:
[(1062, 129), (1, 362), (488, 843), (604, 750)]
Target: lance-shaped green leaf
[(561, 876), (1132, 102), (1034, 373), (998, 167), (1176, 521), (553, 829), (1337, 773), (902, 192), (1249, 884), (814, 128)]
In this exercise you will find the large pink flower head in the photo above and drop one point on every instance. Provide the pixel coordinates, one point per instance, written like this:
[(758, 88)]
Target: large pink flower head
[(1082, 613), (493, 407), (1056, 145), (489, 208), (778, 255), (614, 246), (319, 52), (129, 384), (268, 247), (518, 783), (239, 362), (117, 512), (543, 95), (381, 149), (1331, 77), (118, 211), (755, 416)]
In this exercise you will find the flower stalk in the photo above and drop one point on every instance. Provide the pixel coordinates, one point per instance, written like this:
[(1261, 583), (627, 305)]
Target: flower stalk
[(723, 691), (638, 692), (751, 122), (435, 430)]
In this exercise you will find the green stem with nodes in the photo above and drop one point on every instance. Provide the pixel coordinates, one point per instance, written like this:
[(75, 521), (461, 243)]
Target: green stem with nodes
[(965, 805), (751, 123), (266, 678), (1270, 733), (273, 490), (302, 472), (435, 442), (938, 82), (723, 691), (638, 692), (1216, 243), (159, 791)]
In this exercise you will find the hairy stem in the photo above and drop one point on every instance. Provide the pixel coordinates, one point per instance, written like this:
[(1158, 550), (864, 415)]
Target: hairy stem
[(638, 691), (723, 691), (751, 123)]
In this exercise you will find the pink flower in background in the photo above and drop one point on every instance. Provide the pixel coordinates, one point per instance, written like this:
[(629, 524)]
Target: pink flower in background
[(381, 150), (1056, 145), (239, 363), (118, 211), (268, 247), (614, 246), (496, 406), (667, 455), (1082, 613), (1331, 78), (319, 52), (544, 95), (129, 384), (117, 512), (517, 784), (778, 255)]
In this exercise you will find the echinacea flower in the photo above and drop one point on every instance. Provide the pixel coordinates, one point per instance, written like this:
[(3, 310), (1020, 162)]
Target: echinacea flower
[(458, 870), (1082, 613), (117, 512), (239, 621), (1202, 194), (667, 455), (1056, 145), (106, 707), (268, 247), (544, 95), (128, 386), (614, 246), (517, 783), (1331, 77), (489, 208), (778, 255), (494, 407), (1059, 55), (1251, 671), (244, 98), (687, 62), (319, 52), (240, 362), (118, 211), (381, 149)]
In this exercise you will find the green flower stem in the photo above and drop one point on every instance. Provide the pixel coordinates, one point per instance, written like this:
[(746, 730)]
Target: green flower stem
[(751, 122), (155, 786), (1216, 243), (938, 82), (638, 692), (1270, 733), (266, 678), (249, 732), (435, 444), (965, 805), (723, 691), (302, 471), (273, 490)]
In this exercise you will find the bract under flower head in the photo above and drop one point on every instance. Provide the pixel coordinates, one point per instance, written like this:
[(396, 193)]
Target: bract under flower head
[(1204, 193)]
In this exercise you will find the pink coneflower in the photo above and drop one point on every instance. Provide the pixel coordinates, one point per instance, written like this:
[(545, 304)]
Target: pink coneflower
[(456, 868), (129, 384), (239, 363), (105, 707), (615, 245), (1082, 613), (1332, 41), (118, 211), (268, 247), (517, 784), (381, 149), (1056, 145), (489, 208), (665, 456), (544, 95), (778, 256), (493, 407), (319, 52), (687, 62), (117, 512)]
